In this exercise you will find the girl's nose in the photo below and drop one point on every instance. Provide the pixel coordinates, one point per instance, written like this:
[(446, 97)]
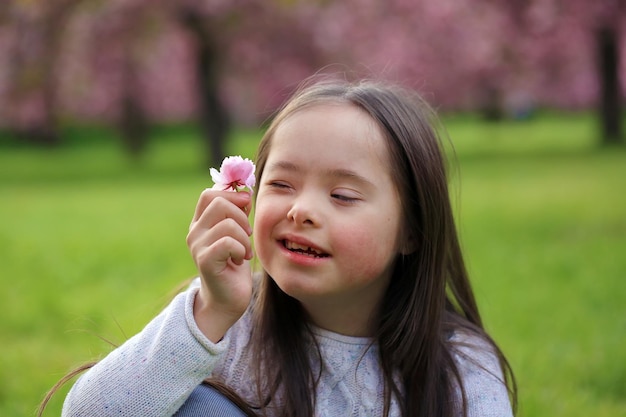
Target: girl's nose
[(303, 213)]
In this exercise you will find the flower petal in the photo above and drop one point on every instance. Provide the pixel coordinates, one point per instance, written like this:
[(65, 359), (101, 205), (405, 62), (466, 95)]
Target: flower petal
[(235, 172)]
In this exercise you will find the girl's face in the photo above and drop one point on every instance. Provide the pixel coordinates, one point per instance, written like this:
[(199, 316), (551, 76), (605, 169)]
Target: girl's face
[(327, 212)]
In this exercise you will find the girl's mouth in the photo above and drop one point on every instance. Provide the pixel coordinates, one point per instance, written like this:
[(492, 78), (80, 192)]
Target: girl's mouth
[(303, 250)]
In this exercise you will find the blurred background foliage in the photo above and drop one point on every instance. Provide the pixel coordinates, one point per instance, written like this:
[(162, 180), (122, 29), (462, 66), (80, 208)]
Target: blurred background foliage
[(131, 63), (111, 112)]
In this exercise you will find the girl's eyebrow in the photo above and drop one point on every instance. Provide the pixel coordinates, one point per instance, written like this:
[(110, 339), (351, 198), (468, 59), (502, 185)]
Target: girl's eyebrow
[(339, 173), (285, 166), (347, 174)]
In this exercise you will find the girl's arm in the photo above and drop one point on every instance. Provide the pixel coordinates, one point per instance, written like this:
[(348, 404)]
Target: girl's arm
[(219, 242), (154, 372)]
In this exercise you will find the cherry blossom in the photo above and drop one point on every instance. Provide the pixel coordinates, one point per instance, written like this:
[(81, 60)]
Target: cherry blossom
[(236, 174)]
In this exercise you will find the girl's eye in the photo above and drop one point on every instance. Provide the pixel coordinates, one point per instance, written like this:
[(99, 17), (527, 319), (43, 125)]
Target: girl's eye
[(344, 198), (277, 184)]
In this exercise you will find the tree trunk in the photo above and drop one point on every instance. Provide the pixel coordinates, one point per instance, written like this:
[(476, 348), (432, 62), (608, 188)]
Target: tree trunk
[(610, 97), (213, 115), (132, 122), (43, 59)]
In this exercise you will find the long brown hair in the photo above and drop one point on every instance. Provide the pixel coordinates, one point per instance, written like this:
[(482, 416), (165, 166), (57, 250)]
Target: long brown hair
[(429, 296)]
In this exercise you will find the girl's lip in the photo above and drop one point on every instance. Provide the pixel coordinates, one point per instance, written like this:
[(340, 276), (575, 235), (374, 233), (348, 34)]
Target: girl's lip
[(301, 241), (302, 258)]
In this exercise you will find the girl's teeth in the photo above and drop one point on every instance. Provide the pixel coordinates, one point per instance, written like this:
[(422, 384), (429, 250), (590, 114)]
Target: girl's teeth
[(300, 248)]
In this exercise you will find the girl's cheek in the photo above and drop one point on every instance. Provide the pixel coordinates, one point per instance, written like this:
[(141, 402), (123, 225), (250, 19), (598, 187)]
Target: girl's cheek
[(259, 223), (364, 251), (264, 218)]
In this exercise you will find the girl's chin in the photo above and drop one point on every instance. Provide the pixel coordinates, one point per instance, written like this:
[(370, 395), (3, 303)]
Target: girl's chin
[(295, 289)]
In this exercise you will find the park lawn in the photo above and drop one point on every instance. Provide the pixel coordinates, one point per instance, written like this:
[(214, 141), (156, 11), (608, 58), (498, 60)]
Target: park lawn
[(92, 246)]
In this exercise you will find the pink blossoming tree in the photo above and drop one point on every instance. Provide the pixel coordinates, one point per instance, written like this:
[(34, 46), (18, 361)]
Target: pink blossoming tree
[(133, 62)]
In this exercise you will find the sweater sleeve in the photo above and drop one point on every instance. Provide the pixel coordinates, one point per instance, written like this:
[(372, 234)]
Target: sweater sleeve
[(486, 393), (153, 372)]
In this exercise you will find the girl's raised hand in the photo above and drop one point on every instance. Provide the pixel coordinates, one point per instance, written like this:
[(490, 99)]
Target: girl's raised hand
[(219, 241)]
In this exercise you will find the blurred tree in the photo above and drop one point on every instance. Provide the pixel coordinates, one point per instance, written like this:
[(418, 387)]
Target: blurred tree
[(132, 62), (544, 21), (603, 20), (132, 121), (610, 102), (213, 115), (38, 30), (608, 58), (229, 44), (244, 39)]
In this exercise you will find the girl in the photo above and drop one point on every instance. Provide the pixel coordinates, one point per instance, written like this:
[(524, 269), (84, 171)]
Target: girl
[(363, 306)]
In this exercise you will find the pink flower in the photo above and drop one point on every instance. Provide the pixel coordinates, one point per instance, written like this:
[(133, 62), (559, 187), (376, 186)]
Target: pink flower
[(236, 173)]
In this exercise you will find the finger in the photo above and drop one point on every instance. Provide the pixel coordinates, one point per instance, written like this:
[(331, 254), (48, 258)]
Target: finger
[(200, 237), (220, 209), (240, 199), (214, 259), (248, 207)]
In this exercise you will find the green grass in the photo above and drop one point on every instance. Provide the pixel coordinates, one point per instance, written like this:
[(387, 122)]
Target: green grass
[(93, 245)]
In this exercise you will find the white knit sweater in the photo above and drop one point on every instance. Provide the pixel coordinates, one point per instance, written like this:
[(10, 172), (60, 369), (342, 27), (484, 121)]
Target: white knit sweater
[(154, 372)]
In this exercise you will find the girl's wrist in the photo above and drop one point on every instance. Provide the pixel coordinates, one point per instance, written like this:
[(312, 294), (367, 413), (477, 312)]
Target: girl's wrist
[(212, 321)]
